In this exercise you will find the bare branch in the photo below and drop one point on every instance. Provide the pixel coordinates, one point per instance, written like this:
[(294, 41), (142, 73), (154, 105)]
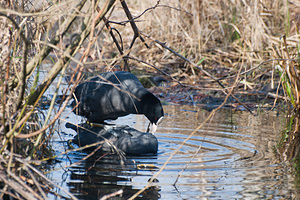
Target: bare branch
[(201, 68)]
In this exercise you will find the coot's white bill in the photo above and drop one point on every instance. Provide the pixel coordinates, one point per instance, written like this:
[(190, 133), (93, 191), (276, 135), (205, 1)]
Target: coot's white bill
[(154, 126)]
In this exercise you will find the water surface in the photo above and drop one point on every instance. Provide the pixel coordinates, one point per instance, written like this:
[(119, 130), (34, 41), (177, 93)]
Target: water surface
[(231, 157)]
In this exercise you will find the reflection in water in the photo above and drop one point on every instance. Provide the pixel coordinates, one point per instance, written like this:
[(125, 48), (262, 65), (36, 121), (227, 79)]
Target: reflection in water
[(95, 179), (231, 157)]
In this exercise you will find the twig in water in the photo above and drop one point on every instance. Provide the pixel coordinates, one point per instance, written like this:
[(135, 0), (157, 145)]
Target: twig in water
[(181, 145), (186, 165), (119, 192)]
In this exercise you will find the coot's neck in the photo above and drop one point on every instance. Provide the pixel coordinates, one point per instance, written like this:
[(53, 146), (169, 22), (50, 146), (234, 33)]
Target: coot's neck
[(149, 102)]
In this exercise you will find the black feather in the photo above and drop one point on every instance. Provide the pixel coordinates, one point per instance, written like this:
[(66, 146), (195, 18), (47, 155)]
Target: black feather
[(115, 94)]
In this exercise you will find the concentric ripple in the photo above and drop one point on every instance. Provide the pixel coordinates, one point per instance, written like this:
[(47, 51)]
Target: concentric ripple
[(231, 157)]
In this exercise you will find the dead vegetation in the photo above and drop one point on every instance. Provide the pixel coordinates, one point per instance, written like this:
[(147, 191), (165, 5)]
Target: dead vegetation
[(197, 45), (219, 37)]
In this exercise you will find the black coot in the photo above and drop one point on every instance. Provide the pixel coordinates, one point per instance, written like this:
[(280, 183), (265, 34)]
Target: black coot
[(125, 138), (114, 94)]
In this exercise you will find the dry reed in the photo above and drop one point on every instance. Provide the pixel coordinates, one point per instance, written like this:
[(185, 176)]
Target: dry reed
[(192, 41)]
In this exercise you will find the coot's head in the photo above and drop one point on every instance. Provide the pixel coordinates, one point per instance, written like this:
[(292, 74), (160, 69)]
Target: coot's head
[(152, 109)]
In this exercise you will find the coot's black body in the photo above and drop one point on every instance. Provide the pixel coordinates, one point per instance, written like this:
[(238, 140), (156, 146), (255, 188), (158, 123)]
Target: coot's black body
[(125, 138), (114, 94)]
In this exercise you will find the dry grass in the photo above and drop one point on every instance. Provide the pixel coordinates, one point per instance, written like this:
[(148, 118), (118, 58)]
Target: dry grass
[(194, 41), (220, 36), (195, 28)]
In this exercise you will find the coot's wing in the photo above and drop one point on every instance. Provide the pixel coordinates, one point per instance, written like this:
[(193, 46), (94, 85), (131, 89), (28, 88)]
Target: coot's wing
[(100, 100), (109, 96), (126, 92), (89, 95)]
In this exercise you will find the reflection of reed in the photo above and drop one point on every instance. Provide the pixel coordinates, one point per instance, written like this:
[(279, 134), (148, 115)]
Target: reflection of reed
[(236, 149)]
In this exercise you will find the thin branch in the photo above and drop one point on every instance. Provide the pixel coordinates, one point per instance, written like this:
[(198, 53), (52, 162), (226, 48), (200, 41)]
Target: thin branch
[(164, 73), (24, 186), (36, 183), (5, 84), (151, 8), (259, 65), (45, 178), (133, 26), (186, 165), (199, 67), (120, 48), (108, 196), (15, 186), (157, 6), (45, 51), (199, 148), (181, 145), (60, 63), (23, 77), (23, 81), (123, 23)]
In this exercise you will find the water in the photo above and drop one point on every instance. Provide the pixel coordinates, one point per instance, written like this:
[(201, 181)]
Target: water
[(231, 157)]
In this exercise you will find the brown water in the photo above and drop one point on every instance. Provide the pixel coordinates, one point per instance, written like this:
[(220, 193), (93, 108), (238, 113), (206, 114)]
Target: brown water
[(232, 157)]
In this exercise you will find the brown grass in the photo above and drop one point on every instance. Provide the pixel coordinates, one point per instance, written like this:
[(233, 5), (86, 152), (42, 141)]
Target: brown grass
[(225, 34), (222, 31), (193, 41)]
